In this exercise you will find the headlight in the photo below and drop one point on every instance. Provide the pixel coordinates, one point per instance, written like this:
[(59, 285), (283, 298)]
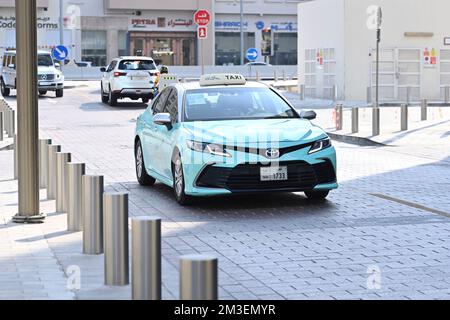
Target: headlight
[(320, 145), (210, 148)]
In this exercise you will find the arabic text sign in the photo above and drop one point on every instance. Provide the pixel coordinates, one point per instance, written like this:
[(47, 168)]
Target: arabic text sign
[(175, 23), (202, 17)]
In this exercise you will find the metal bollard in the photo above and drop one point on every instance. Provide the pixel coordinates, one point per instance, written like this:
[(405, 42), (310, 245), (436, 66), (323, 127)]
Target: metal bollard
[(424, 110), (355, 120), (404, 117), (146, 258), (1, 125), (43, 162), (339, 117), (369, 94), (92, 201), (52, 171), (376, 121), (62, 177), (116, 239), (74, 212), (16, 158), (198, 278), (302, 92)]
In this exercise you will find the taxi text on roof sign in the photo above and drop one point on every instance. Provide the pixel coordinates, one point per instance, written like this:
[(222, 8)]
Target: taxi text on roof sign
[(222, 79)]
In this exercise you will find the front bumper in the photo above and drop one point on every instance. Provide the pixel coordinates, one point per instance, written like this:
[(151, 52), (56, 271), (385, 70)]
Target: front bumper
[(305, 173), (51, 86)]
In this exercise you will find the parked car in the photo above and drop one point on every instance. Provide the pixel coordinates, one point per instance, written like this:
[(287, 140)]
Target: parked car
[(129, 77), (50, 78)]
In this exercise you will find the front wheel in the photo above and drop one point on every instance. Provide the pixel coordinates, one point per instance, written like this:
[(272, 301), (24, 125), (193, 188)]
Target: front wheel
[(112, 98), (143, 178), (179, 182), (5, 91), (317, 195), (42, 92), (145, 100), (59, 93)]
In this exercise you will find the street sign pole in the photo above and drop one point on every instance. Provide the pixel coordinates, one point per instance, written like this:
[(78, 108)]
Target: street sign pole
[(61, 22), (242, 33), (27, 107), (376, 107), (202, 18)]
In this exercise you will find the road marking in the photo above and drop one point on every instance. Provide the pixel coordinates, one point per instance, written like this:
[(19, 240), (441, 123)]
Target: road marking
[(411, 204)]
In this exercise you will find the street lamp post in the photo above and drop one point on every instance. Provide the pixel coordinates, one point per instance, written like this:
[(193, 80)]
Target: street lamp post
[(376, 107), (27, 107)]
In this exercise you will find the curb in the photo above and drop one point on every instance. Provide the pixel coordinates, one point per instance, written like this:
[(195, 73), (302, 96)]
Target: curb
[(360, 141)]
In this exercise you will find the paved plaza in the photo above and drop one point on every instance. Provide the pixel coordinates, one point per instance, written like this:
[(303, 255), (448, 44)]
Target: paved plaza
[(384, 234)]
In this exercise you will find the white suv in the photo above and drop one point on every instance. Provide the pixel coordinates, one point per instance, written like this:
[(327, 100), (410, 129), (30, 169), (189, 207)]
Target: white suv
[(129, 77), (49, 77)]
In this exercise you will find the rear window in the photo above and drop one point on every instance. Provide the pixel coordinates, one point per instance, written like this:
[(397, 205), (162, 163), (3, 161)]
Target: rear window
[(137, 65)]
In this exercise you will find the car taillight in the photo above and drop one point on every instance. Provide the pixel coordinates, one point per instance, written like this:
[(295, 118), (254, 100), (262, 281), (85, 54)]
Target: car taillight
[(120, 74)]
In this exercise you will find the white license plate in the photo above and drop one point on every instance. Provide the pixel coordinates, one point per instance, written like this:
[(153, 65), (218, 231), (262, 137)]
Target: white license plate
[(274, 174), (44, 83)]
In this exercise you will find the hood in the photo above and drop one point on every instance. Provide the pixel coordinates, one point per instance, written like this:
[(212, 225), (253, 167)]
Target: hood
[(254, 131), (46, 70)]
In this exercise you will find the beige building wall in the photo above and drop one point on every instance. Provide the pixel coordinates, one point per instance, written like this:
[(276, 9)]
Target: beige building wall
[(12, 3)]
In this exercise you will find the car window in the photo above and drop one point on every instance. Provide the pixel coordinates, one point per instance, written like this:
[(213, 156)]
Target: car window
[(158, 106), (45, 60), (235, 103), (137, 65), (112, 65), (172, 106)]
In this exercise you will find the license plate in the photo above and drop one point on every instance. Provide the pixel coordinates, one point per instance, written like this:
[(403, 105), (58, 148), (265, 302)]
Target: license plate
[(44, 83), (274, 174)]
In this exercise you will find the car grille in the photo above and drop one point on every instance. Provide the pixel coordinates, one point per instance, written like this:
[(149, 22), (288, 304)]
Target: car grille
[(46, 77), (246, 177)]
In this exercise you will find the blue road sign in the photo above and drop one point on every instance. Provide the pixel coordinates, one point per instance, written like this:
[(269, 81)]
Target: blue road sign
[(252, 54), (60, 53), (260, 25)]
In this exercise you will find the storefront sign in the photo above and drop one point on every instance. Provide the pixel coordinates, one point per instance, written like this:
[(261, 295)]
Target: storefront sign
[(284, 26), (171, 23), (230, 25), (42, 23)]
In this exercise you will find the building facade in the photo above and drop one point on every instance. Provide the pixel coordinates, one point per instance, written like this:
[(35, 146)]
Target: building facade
[(100, 30), (337, 49)]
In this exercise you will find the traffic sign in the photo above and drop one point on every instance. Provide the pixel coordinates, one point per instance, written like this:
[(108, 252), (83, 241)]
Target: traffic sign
[(60, 53), (202, 17), (202, 32), (252, 54)]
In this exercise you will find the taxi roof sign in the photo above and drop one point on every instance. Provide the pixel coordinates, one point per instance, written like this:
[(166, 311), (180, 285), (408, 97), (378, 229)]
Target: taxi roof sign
[(222, 79)]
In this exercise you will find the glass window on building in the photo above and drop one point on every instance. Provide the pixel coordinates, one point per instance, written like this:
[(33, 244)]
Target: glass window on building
[(122, 43), (285, 49), (93, 47), (228, 44)]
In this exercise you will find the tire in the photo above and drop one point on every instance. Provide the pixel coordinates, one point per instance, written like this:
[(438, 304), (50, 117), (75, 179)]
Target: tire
[(105, 98), (5, 91), (112, 98), (179, 182), (145, 100), (317, 195), (143, 178), (42, 92), (59, 93)]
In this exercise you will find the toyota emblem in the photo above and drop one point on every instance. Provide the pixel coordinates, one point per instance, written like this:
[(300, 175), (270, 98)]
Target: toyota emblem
[(273, 153)]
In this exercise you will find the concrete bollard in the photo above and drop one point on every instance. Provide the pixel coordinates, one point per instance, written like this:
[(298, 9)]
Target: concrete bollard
[(43, 162), (6, 120), (424, 110), (13, 123), (75, 213), (339, 117), (146, 258), (116, 239), (355, 120), (404, 117), (376, 121), (198, 278), (92, 201), (52, 171), (62, 177)]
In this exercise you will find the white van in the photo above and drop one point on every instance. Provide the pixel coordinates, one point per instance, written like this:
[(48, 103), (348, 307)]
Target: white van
[(49, 77)]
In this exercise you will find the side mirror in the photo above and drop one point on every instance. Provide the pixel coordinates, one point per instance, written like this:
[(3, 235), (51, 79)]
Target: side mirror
[(162, 119), (12, 66), (308, 115), (103, 69)]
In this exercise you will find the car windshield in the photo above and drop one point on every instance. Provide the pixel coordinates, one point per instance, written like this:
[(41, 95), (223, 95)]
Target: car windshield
[(135, 65), (45, 60), (235, 103)]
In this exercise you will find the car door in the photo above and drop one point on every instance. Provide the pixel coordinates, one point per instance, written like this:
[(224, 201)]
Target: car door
[(106, 77), (166, 135), (151, 142)]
